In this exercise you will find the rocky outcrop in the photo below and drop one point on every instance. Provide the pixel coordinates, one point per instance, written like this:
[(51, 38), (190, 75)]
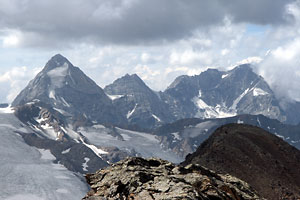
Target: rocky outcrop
[(269, 164), (138, 178)]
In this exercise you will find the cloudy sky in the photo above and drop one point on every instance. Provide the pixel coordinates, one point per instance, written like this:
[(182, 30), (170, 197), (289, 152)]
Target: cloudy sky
[(157, 39)]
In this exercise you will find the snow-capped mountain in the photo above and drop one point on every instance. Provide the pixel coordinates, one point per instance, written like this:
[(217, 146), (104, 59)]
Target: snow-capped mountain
[(218, 94), (69, 91), (72, 117), (138, 103), (82, 127)]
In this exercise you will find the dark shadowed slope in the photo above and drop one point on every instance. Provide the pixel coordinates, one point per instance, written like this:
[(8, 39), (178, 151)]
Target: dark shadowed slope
[(252, 154)]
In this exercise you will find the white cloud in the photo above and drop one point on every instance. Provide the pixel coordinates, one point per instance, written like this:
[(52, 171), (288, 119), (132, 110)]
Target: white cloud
[(223, 43), (281, 70), (10, 41), (145, 57), (14, 80)]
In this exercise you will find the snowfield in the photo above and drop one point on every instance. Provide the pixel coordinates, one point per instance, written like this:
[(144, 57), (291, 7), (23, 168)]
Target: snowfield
[(147, 145), (29, 173)]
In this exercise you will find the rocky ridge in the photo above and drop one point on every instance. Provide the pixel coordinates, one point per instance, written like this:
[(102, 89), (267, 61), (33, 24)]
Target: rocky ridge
[(138, 103), (138, 178), (68, 90), (269, 164), (219, 94)]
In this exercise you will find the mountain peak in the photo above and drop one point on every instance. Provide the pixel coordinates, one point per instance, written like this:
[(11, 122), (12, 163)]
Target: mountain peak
[(125, 84), (57, 61), (131, 77)]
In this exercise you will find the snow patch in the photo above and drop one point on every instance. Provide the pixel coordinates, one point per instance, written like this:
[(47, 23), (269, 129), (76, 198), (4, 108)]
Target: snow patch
[(64, 102), (52, 94), (57, 75), (50, 131), (131, 112), (206, 111), (8, 109), (84, 165), (66, 151), (280, 136), (224, 75), (155, 117), (61, 111), (176, 136), (95, 149), (114, 97), (259, 92), (240, 121), (258, 121), (237, 100)]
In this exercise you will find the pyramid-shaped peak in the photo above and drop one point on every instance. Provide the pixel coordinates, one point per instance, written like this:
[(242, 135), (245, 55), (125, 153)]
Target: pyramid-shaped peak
[(57, 61), (127, 84)]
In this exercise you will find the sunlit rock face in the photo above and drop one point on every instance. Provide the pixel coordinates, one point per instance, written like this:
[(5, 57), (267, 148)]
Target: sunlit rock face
[(138, 178)]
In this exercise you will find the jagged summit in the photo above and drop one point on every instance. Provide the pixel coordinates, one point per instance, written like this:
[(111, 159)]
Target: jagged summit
[(57, 61), (127, 84), (137, 102), (219, 94), (68, 89)]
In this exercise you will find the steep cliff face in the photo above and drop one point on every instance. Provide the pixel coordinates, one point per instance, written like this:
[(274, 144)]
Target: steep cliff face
[(138, 178), (219, 94), (67, 89), (138, 103), (252, 154)]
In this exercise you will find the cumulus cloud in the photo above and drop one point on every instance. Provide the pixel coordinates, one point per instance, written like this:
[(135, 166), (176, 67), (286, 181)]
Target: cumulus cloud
[(281, 70), (52, 23), (158, 39), (13, 81)]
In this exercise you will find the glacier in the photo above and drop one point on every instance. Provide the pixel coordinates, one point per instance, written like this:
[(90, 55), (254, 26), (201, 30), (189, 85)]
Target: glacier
[(29, 173)]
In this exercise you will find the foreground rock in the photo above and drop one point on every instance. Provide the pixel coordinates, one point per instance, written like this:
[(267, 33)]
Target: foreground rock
[(138, 178), (269, 164)]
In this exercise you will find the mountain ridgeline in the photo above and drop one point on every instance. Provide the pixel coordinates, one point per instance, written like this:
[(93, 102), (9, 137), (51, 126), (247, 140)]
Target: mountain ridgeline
[(84, 127), (128, 101), (68, 89), (270, 165)]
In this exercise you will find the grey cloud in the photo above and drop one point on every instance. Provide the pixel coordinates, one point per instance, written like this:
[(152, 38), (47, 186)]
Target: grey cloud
[(261, 12), (46, 22)]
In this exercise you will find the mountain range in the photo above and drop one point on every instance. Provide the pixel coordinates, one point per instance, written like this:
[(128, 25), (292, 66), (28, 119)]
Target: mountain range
[(128, 101), (84, 127), (70, 106)]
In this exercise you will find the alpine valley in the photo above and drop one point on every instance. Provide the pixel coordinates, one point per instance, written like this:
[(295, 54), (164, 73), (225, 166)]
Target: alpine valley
[(62, 125)]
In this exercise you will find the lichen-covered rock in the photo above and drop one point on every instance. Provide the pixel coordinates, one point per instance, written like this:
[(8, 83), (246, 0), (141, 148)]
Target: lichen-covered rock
[(138, 178)]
